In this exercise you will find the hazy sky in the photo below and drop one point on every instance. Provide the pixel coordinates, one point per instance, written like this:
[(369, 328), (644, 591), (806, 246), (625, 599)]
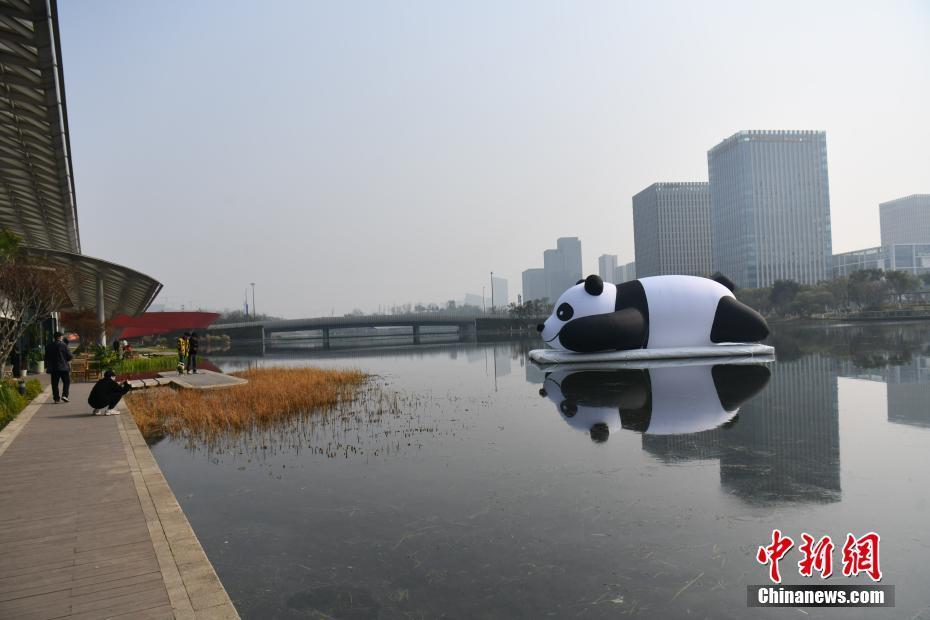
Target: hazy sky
[(350, 154)]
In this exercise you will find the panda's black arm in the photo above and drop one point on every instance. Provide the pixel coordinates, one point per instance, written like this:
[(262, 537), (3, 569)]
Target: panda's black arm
[(620, 330)]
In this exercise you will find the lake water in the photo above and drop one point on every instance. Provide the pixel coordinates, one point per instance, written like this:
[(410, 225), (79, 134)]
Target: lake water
[(466, 483)]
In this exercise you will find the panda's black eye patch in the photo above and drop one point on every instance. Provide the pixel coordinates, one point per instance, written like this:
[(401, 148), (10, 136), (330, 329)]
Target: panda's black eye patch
[(564, 312)]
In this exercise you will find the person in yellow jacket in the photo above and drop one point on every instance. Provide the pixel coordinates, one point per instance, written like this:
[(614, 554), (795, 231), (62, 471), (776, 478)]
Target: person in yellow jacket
[(182, 352)]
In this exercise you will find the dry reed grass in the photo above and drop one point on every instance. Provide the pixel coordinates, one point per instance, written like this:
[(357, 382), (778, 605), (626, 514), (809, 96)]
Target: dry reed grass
[(271, 396)]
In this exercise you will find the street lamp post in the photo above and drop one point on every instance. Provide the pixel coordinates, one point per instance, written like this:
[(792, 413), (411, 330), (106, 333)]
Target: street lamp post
[(492, 291), (253, 299)]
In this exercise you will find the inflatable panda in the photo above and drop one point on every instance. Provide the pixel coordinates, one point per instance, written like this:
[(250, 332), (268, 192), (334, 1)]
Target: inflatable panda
[(650, 313), (670, 400)]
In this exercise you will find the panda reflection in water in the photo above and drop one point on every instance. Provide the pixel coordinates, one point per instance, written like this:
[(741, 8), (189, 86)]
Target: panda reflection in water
[(650, 313), (668, 400)]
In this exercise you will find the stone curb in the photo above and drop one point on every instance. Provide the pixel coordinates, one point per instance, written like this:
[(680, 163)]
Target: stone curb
[(193, 587)]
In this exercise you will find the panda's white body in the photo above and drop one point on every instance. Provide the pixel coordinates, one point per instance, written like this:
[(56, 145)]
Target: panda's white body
[(681, 310), (685, 400), (658, 312), (670, 400)]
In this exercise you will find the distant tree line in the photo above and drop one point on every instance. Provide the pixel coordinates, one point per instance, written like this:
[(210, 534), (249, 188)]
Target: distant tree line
[(238, 316), (868, 289), (532, 308), (450, 307)]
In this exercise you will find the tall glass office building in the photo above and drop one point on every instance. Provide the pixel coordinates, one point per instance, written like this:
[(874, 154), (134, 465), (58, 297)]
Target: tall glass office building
[(770, 207)]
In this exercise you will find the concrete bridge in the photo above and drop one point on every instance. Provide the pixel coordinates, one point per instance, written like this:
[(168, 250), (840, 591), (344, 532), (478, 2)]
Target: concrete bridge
[(256, 332)]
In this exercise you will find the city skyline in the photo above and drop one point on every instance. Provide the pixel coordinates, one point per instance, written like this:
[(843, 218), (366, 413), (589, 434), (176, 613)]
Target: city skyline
[(441, 142)]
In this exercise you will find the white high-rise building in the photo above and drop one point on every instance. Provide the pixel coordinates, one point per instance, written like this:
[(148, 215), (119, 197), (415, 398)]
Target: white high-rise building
[(535, 285), (905, 220), (561, 269), (671, 230), (499, 292), (770, 207), (625, 273), (606, 266)]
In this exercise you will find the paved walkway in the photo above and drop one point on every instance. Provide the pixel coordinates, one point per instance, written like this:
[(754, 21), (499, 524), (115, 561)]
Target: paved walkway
[(88, 526)]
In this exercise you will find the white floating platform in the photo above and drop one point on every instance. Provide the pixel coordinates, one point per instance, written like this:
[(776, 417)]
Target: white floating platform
[(554, 356), (729, 360)]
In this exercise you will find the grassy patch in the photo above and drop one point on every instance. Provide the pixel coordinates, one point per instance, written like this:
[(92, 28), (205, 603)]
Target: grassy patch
[(270, 396), (12, 402), (138, 365)]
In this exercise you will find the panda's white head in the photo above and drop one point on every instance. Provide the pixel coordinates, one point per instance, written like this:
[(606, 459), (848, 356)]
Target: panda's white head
[(586, 298), (579, 404)]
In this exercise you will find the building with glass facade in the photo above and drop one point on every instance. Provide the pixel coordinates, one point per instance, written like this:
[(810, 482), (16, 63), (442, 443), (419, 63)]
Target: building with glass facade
[(770, 207), (561, 269), (625, 273), (911, 257), (534, 284), (607, 266), (672, 230), (905, 220)]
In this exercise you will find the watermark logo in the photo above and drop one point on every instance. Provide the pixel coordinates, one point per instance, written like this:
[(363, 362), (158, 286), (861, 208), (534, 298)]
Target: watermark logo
[(772, 554), (859, 555), (817, 557)]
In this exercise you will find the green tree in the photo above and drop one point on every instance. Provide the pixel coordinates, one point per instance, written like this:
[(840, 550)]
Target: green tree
[(839, 288), (30, 290), (812, 301), (867, 288), (759, 299), (10, 243), (901, 283), (783, 294)]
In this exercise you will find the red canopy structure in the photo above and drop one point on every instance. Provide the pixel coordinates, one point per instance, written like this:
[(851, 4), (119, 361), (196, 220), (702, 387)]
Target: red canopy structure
[(152, 323)]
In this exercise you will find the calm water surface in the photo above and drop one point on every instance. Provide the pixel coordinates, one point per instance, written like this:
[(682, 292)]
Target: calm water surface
[(468, 484)]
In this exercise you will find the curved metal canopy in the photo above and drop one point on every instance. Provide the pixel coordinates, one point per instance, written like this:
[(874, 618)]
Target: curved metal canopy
[(125, 291), (36, 182), (37, 199)]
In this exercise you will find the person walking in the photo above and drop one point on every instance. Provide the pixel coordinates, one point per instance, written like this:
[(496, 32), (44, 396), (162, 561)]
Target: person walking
[(193, 345), (106, 394), (58, 364)]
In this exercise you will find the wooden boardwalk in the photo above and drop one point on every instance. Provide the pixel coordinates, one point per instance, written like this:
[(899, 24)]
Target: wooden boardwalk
[(88, 526), (201, 380)]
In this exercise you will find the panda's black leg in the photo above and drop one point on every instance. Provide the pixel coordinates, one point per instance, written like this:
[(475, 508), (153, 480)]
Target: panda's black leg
[(620, 330), (738, 383), (734, 321)]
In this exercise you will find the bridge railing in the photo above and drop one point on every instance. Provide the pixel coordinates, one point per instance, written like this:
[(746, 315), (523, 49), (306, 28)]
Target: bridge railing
[(449, 318)]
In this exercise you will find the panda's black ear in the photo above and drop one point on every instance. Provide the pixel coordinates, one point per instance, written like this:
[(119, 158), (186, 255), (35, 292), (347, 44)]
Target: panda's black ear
[(593, 285), (579, 281), (722, 279)]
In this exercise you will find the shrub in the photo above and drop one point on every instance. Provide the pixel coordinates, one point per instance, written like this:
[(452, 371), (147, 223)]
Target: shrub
[(12, 402), (146, 364), (106, 357)]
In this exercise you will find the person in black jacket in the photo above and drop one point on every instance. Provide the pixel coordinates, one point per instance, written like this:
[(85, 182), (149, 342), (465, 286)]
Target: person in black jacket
[(106, 393), (193, 344), (57, 364), (16, 360)]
